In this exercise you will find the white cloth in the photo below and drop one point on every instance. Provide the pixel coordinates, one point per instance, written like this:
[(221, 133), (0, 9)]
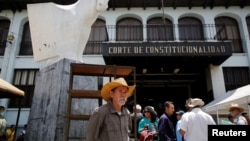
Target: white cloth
[(195, 124), (240, 120)]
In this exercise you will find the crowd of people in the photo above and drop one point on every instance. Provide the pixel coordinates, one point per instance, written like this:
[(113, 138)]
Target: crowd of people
[(9, 134), (113, 121)]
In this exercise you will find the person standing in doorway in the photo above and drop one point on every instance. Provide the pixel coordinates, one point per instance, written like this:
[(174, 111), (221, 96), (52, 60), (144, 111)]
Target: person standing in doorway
[(111, 121), (194, 124), (166, 126)]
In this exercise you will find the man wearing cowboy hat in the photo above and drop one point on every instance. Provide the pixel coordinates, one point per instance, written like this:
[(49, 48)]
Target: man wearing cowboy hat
[(112, 121), (194, 124), (235, 110)]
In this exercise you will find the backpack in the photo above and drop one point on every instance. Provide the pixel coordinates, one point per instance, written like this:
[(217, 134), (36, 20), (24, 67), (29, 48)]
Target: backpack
[(146, 135)]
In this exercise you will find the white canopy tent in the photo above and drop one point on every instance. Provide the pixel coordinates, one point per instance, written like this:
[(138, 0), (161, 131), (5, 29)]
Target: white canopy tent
[(220, 106), (213, 108)]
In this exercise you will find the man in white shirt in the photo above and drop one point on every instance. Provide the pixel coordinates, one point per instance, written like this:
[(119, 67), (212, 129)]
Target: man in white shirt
[(194, 124)]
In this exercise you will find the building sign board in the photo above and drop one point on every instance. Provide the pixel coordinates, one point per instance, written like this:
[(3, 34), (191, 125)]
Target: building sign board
[(168, 49)]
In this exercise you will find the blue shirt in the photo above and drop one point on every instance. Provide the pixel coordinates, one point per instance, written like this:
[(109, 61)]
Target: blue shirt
[(144, 121), (178, 135)]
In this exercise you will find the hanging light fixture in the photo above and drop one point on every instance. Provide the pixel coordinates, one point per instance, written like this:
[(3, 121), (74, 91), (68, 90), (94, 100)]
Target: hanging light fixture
[(176, 71)]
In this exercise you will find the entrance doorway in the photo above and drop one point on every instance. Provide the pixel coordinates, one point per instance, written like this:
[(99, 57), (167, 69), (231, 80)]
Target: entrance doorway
[(159, 79), (158, 95), (178, 93)]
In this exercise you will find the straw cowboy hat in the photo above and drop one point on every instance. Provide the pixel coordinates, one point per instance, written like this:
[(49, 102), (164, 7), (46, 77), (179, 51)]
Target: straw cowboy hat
[(235, 106), (196, 102), (113, 84)]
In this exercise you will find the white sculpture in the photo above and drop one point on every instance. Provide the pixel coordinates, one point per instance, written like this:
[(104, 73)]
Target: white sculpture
[(62, 31)]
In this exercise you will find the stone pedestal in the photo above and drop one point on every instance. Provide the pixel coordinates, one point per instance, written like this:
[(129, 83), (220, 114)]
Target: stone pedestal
[(47, 119)]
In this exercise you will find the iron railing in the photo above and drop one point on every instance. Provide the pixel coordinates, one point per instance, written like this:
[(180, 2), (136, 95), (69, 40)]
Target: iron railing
[(154, 33), (164, 33)]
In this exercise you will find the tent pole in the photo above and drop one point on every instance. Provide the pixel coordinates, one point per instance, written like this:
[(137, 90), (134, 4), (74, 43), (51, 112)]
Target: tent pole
[(217, 115), (18, 115), (248, 105)]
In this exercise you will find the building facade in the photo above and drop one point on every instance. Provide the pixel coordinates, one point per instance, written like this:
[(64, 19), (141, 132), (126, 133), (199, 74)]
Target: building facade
[(180, 50)]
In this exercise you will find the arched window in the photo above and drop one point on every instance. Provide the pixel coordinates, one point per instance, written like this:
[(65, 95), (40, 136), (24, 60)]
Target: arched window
[(97, 35), (4, 29), (248, 26), (26, 44), (98, 31), (129, 29), (190, 29), (227, 29), (159, 30)]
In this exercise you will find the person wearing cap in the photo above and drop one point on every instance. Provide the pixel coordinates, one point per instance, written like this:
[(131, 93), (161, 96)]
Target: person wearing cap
[(235, 110), (179, 114), (194, 124), (111, 121), (166, 126)]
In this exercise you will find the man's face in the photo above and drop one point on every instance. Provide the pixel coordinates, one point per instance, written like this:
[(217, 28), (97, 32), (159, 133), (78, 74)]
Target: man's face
[(234, 112), (178, 116), (170, 109), (119, 95)]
